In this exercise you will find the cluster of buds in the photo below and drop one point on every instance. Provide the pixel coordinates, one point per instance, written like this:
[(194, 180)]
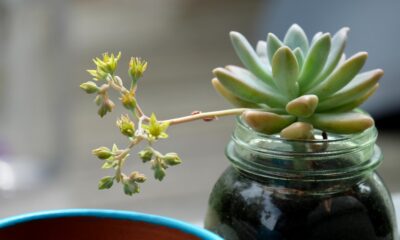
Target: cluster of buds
[(131, 183), (105, 66), (159, 162), (148, 128)]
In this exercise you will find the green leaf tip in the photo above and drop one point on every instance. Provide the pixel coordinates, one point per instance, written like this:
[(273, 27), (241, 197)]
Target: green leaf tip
[(267, 122), (298, 131), (303, 106), (285, 71), (342, 123)]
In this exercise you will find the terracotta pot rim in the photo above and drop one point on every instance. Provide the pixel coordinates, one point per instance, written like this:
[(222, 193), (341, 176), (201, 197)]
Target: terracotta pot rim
[(111, 214)]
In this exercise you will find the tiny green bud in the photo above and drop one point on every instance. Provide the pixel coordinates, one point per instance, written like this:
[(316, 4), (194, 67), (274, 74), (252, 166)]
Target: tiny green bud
[(137, 177), (128, 100), (102, 110), (109, 104), (102, 153), (137, 67), (106, 182), (131, 187), (146, 154), (172, 159), (98, 100), (89, 87), (126, 126), (159, 173)]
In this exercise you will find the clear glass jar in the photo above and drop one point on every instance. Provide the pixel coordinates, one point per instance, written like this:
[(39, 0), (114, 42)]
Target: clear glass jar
[(301, 190)]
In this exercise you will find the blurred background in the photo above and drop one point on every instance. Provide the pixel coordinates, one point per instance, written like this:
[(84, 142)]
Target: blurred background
[(48, 126)]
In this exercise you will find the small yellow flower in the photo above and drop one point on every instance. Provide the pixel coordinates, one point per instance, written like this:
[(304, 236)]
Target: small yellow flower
[(128, 100), (105, 66), (126, 126), (137, 67), (156, 129)]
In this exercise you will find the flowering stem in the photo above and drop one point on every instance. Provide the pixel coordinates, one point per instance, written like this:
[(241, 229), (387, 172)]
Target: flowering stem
[(214, 114)]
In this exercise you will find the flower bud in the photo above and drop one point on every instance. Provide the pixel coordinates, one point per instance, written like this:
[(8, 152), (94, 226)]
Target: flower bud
[(109, 104), (137, 177), (137, 67), (102, 110), (102, 153), (146, 154), (172, 159), (159, 173), (89, 87), (98, 100), (126, 126), (128, 101)]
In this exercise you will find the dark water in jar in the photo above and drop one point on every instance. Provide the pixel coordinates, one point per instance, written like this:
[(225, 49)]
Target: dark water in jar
[(243, 208)]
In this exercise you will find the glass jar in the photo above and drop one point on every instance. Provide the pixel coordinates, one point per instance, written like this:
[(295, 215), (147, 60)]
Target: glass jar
[(301, 190)]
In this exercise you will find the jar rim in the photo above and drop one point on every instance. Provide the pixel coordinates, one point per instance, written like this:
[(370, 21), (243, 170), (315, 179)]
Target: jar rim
[(341, 156), (365, 138)]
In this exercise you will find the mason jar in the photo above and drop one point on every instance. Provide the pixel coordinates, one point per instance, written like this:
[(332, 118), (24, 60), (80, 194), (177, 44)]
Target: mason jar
[(319, 189)]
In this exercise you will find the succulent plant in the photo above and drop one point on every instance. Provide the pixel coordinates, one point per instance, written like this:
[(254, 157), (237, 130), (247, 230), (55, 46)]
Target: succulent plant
[(295, 85)]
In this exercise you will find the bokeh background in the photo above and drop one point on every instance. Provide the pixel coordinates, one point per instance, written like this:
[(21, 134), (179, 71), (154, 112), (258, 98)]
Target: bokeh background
[(48, 126)]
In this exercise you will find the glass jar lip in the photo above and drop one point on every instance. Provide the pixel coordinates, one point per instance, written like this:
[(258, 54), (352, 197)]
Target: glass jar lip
[(338, 137), (341, 156)]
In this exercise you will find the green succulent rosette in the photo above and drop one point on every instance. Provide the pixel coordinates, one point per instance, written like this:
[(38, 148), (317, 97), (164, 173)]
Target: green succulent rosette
[(296, 85)]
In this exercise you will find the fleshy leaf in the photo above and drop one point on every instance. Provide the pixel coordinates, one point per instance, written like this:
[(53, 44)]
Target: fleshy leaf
[(285, 71), (337, 48), (261, 50), (273, 44), (228, 95), (303, 106), (249, 89), (341, 76), (355, 103), (267, 122), (299, 56), (316, 37), (298, 130), (249, 57), (342, 123), (357, 88), (295, 37), (315, 61)]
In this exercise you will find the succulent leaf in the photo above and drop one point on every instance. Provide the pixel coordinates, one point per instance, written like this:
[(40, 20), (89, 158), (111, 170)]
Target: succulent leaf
[(341, 76), (355, 103), (315, 61), (261, 50), (249, 57), (356, 89), (249, 89), (267, 122), (273, 44), (336, 52), (298, 130), (285, 71), (295, 37), (235, 100), (299, 56), (316, 37), (343, 123), (303, 106)]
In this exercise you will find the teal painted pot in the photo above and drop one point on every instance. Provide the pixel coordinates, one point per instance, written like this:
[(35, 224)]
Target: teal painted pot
[(97, 224)]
